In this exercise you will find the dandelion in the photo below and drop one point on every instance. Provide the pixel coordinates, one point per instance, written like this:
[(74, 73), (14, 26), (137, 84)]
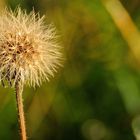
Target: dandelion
[(29, 53)]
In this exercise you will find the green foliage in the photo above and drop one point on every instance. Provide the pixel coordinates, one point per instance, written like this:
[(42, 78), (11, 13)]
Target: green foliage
[(96, 95)]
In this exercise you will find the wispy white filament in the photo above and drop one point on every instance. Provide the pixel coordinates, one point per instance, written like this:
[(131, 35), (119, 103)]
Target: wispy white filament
[(28, 49)]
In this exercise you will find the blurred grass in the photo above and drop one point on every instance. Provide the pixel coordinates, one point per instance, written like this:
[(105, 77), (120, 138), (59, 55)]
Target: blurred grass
[(96, 96)]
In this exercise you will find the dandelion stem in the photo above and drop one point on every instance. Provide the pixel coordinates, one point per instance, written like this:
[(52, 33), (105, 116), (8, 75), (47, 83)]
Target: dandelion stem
[(19, 89)]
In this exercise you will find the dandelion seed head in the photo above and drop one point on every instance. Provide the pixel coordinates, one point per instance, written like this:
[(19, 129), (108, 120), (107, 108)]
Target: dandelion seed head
[(28, 49)]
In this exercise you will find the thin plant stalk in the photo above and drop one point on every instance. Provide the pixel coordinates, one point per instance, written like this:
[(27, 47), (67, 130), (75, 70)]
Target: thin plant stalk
[(29, 53), (19, 102), (126, 25)]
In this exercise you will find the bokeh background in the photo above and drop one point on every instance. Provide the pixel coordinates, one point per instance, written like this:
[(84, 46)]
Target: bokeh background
[(96, 95)]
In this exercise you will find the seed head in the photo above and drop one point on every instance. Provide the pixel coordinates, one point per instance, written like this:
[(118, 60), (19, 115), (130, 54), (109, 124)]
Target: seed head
[(28, 49)]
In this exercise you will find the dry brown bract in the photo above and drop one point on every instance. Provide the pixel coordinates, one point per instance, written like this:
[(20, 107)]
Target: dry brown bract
[(28, 49)]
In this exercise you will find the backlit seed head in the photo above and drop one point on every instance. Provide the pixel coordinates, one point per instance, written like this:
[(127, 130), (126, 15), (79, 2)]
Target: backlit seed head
[(28, 49)]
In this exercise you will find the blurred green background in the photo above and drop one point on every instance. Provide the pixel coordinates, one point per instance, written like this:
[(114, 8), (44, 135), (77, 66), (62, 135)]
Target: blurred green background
[(96, 95)]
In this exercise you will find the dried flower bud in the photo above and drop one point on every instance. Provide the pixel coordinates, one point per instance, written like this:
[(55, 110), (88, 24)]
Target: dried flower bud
[(28, 49)]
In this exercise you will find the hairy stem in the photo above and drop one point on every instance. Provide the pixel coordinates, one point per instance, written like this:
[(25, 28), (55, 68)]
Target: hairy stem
[(19, 90)]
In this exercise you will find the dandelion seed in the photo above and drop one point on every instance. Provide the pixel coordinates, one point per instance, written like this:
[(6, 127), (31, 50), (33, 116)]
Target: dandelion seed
[(29, 54), (28, 49)]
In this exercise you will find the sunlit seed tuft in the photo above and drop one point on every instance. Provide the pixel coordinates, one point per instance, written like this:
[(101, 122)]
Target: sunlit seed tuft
[(28, 49)]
